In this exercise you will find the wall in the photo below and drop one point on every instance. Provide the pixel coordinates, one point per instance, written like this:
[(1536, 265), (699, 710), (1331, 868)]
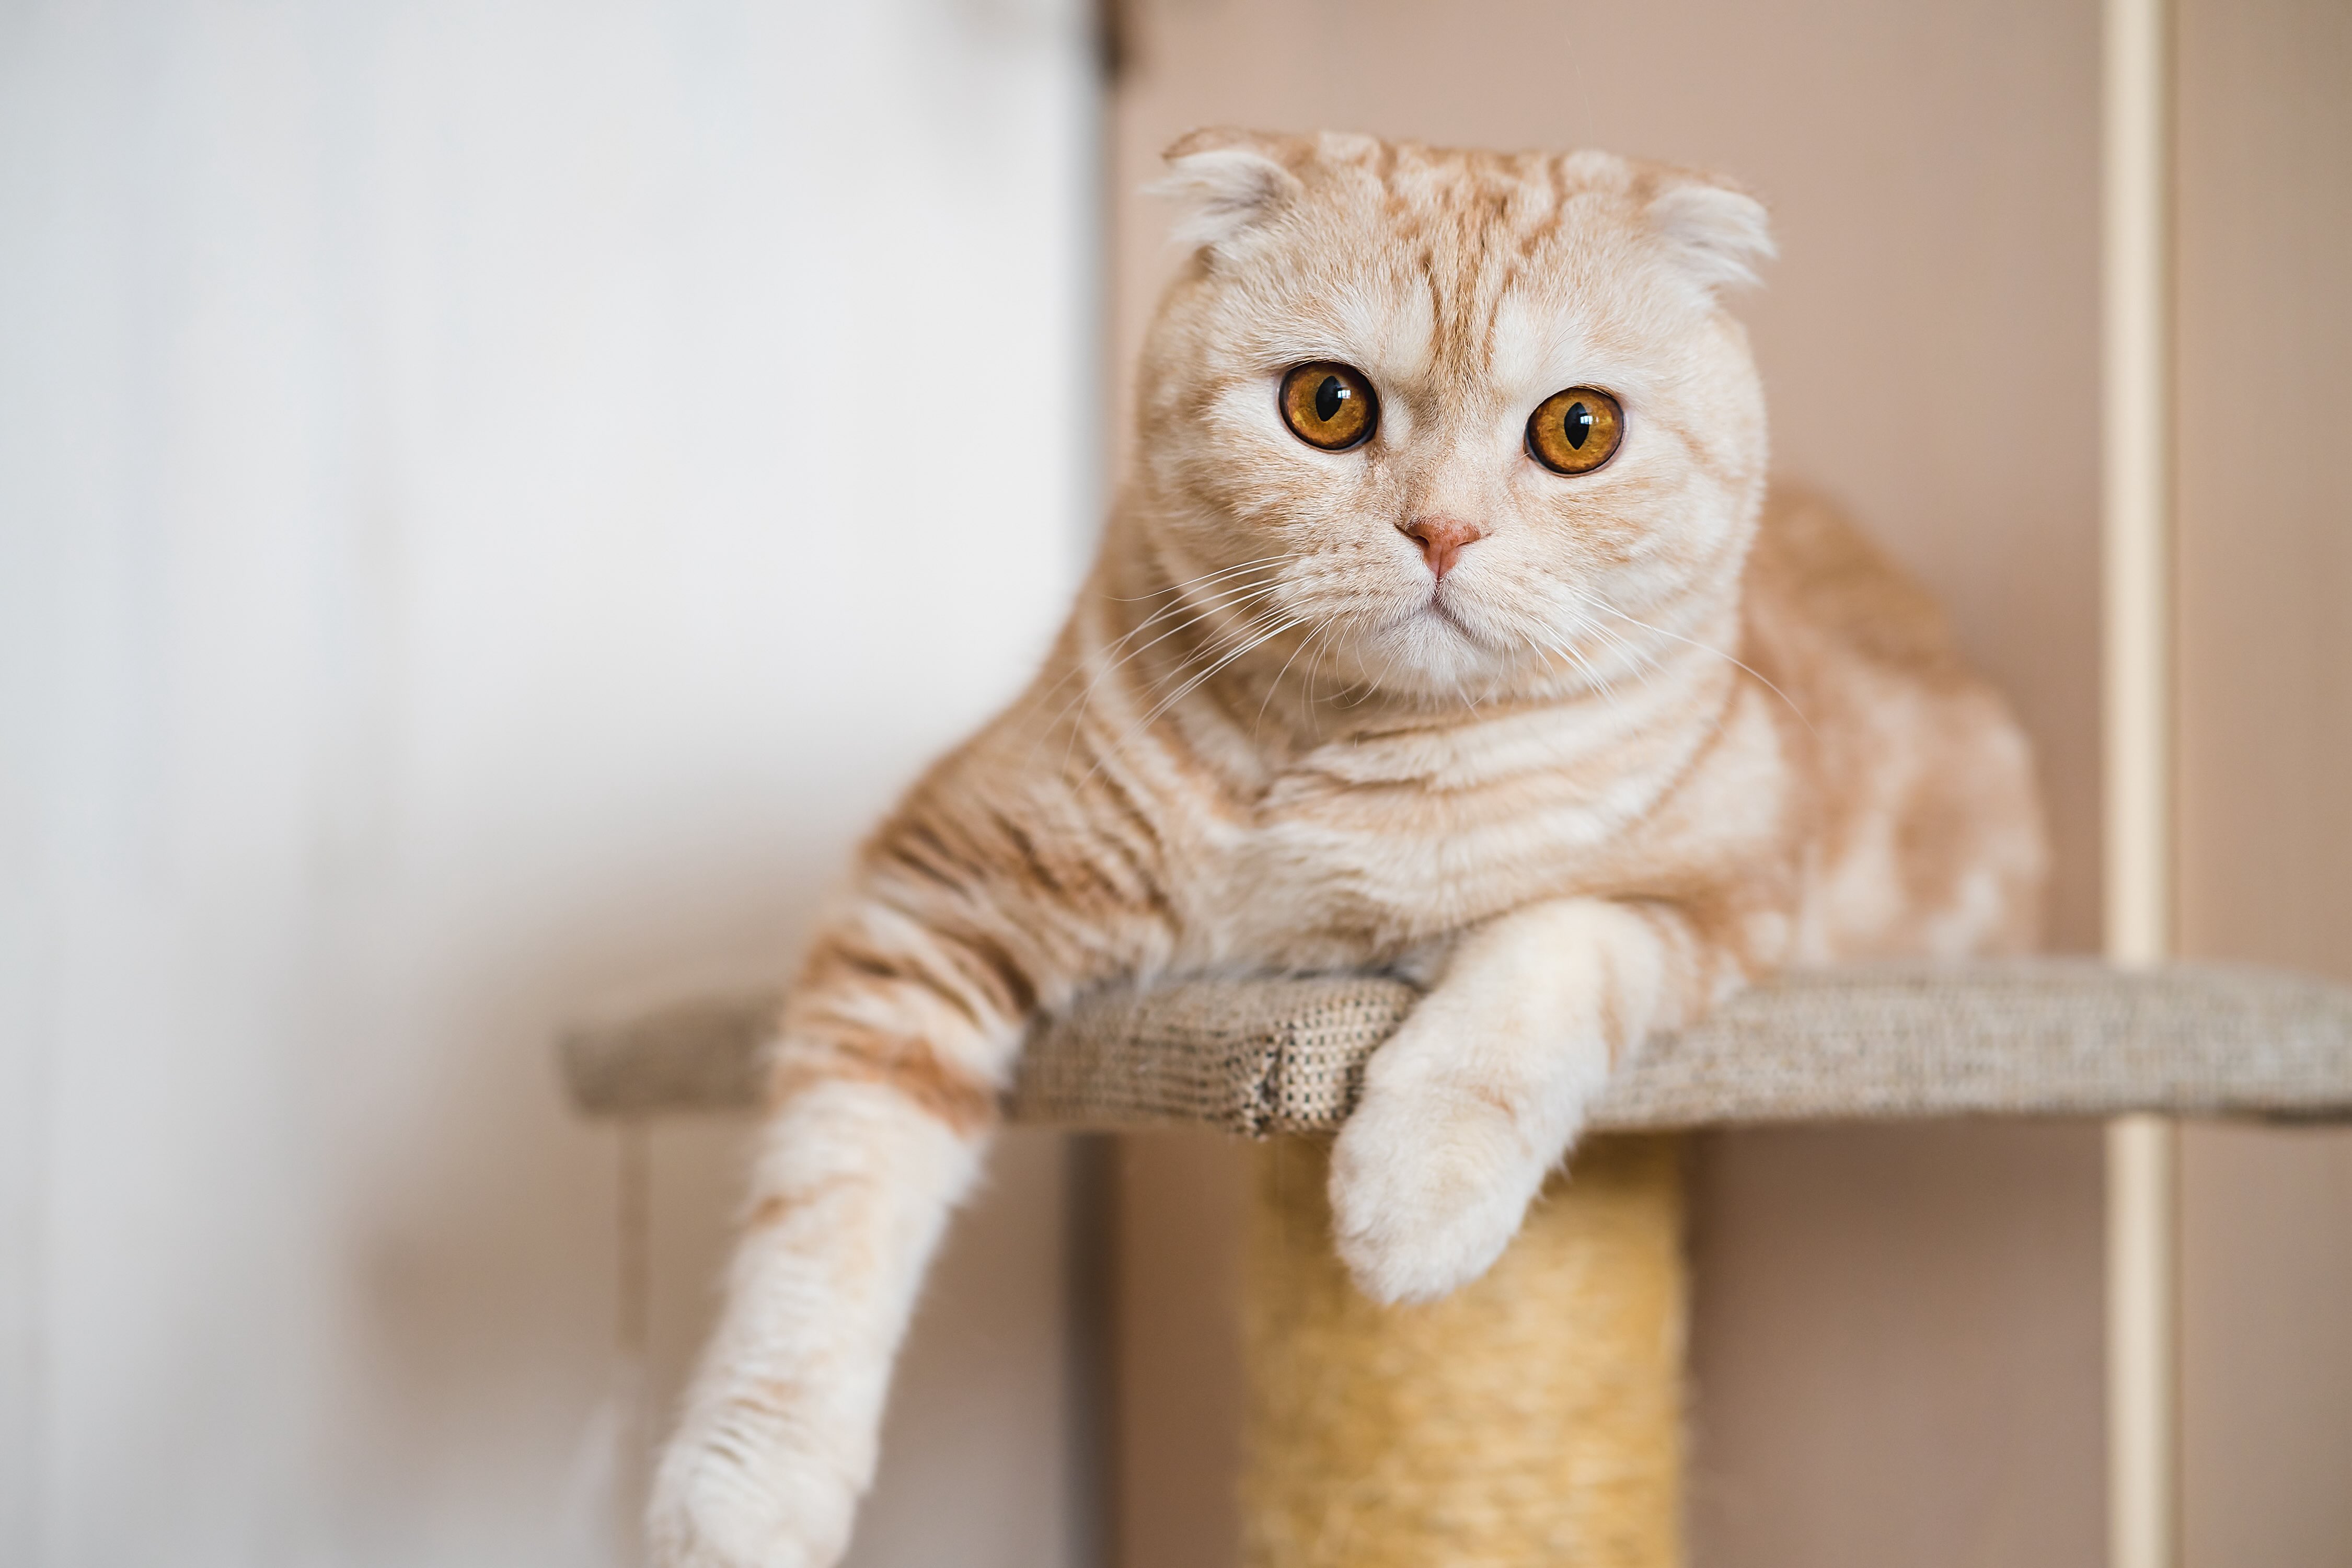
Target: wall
[(472, 547), (1897, 1339), (2265, 379)]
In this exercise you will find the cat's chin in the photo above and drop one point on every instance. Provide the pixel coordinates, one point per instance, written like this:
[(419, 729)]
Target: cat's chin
[(1436, 652), (1444, 623)]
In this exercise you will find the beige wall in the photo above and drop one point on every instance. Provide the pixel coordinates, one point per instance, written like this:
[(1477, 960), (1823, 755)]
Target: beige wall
[(2266, 741), (1897, 1337), (1897, 1347)]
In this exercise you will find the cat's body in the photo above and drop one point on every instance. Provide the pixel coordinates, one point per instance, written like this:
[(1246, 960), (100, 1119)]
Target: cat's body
[(1561, 745)]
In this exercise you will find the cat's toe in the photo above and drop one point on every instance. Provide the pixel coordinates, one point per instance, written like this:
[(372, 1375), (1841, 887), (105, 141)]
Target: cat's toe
[(1424, 1198), (715, 1505)]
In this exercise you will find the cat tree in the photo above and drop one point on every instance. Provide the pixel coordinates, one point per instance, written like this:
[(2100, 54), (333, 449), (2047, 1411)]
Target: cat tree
[(1535, 1416), (1467, 1433)]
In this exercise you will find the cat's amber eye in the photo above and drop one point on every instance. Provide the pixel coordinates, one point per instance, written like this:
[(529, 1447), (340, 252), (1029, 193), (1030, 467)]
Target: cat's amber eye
[(1329, 405), (1576, 431)]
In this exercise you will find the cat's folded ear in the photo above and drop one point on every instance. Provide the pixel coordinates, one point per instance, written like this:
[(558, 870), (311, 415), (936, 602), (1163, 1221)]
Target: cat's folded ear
[(1716, 231), (1228, 183)]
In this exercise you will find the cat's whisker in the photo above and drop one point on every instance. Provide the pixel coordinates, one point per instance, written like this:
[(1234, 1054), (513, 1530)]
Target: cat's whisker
[(1387, 668), (1225, 598), (1584, 626), (1195, 684), (1216, 645), (1303, 645), (1220, 639), (1195, 581), (1218, 603), (1651, 662), (1247, 640), (1323, 657), (1271, 575), (1185, 690), (1314, 678), (1617, 640), (1608, 608), (1592, 678), (1097, 677), (1221, 596), (1363, 691), (1572, 645), (1315, 673)]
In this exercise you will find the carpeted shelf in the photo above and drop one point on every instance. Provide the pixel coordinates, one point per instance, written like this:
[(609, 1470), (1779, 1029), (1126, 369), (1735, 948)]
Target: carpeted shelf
[(2035, 1037)]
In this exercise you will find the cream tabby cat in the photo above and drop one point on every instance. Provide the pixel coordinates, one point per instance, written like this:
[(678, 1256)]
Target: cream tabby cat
[(1412, 644)]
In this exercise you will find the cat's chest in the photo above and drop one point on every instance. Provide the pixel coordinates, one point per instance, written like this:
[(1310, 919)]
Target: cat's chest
[(1337, 866)]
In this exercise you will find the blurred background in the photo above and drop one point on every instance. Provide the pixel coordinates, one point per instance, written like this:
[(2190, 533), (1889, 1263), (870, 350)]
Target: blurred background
[(493, 499)]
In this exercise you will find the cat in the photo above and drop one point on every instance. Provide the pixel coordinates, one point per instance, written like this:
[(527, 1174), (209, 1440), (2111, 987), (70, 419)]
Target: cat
[(1445, 625)]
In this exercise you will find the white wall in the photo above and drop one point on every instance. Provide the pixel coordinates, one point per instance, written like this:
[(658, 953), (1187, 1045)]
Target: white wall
[(491, 499)]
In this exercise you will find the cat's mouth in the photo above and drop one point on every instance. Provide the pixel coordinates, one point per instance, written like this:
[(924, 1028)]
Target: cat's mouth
[(1440, 636), (1444, 612), (1436, 608)]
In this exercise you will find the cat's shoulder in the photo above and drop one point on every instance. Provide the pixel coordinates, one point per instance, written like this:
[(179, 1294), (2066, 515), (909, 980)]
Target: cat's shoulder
[(1813, 576)]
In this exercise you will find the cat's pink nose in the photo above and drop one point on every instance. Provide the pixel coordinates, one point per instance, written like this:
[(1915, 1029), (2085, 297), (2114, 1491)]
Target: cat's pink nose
[(1441, 540)]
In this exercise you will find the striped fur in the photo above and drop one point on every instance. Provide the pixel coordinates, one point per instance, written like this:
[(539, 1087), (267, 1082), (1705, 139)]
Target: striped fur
[(1653, 734)]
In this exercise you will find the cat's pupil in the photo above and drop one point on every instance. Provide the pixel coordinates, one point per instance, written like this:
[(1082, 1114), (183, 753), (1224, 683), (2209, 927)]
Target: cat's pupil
[(1576, 425), (1327, 398)]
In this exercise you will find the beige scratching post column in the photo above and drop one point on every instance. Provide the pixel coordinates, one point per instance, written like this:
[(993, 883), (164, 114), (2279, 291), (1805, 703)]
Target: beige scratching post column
[(1533, 1417)]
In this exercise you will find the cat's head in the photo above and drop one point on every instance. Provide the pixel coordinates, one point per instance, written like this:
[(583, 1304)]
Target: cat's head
[(1468, 417)]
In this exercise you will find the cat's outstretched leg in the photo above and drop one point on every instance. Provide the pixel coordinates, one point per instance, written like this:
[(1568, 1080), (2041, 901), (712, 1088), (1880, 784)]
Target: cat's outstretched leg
[(986, 898), (884, 1092), (1487, 1084)]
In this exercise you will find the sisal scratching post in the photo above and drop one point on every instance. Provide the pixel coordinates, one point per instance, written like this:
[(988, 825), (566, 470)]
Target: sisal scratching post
[(1533, 1417)]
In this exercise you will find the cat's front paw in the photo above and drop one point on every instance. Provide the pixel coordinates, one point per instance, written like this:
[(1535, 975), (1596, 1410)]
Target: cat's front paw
[(726, 1497), (1428, 1187)]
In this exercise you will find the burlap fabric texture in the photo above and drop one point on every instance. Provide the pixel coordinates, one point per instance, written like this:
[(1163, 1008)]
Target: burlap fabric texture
[(2044, 1036)]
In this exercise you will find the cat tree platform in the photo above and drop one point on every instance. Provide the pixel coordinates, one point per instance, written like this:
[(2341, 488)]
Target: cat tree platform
[(2030, 1037), (1536, 1416)]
